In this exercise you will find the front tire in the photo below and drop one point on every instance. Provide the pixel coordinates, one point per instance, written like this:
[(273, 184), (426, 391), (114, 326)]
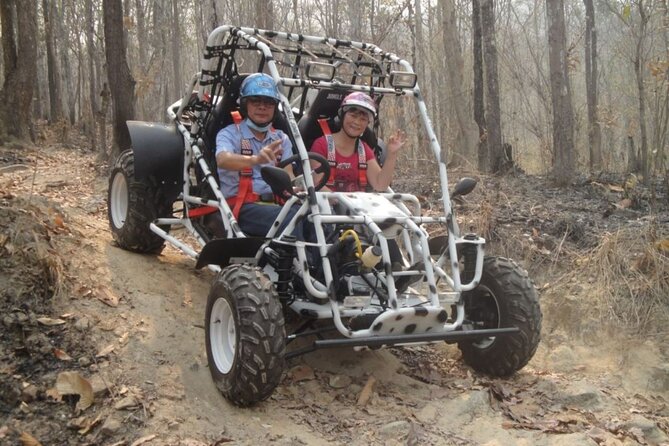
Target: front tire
[(245, 335), (505, 297), (132, 205)]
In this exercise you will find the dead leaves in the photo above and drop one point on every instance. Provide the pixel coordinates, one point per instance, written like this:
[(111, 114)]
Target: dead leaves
[(143, 440), (366, 392), (47, 321), (83, 424), (663, 246), (301, 373), (106, 351), (127, 403), (71, 383), (60, 354), (106, 296), (29, 440)]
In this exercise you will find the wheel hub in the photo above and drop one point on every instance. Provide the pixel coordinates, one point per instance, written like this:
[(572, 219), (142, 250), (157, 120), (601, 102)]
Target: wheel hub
[(222, 335), (119, 200)]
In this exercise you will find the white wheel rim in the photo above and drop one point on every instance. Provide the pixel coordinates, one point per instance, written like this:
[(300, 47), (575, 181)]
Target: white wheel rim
[(222, 335), (118, 197)]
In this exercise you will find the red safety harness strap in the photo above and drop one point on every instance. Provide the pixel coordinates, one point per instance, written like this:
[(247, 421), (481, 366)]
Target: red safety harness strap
[(332, 157), (245, 192), (362, 166)]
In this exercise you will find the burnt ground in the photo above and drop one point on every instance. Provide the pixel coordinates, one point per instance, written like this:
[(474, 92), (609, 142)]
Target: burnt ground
[(102, 346)]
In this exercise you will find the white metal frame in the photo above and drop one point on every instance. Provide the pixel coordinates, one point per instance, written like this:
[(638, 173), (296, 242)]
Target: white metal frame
[(414, 236)]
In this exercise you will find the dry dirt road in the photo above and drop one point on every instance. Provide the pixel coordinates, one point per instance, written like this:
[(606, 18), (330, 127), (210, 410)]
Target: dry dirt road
[(139, 320)]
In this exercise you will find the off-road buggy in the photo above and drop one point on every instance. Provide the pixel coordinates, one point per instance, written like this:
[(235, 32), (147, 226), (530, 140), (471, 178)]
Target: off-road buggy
[(346, 281)]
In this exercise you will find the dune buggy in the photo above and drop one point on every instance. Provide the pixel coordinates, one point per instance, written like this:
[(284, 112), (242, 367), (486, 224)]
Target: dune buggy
[(345, 281)]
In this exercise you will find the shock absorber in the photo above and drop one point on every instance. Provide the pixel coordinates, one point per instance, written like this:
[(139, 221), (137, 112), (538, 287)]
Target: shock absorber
[(281, 256), (468, 252)]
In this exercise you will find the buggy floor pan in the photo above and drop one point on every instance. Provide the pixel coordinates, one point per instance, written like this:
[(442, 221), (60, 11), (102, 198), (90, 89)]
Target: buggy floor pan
[(405, 321)]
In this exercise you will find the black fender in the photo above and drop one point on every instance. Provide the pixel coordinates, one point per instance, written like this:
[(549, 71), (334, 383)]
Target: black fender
[(159, 154), (221, 251)]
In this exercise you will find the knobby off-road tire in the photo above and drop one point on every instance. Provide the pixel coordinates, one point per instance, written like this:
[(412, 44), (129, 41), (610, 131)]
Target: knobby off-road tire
[(245, 335), (505, 297), (132, 205)]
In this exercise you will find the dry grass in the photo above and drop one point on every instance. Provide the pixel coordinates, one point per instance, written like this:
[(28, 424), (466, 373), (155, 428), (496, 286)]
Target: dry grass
[(633, 279), (34, 266), (624, 280)]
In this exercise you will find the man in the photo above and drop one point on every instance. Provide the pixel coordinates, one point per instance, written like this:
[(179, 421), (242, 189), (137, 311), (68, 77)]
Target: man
[(244, 147)]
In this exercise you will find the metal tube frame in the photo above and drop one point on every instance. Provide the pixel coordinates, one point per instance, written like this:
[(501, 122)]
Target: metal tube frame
[(316, 205)]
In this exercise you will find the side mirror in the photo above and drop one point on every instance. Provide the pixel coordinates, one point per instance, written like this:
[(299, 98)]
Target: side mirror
[(463, 187), (278, 179)]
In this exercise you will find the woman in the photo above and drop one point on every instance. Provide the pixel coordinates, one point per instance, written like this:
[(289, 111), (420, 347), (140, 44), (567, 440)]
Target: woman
[(352, 161)]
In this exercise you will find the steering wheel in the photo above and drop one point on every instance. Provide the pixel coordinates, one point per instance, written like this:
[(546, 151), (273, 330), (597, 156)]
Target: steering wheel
[(323, 167)]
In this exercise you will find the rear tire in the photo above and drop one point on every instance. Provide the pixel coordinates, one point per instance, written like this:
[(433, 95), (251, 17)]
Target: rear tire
[(245, 335), (132, 205), (505, 297)]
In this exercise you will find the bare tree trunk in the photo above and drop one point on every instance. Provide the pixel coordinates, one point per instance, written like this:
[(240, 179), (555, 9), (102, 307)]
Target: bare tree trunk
[(121, 83), (105, 95), (661, 140), (329, 18), (143, 65), (419, 59), (9, 53), (65, 65), (264, 10), (296, 16), (17, 91), (638, 71), (372, 14), (594, 131), (435, 74), (210, 19), (176, 52), (419, 64), (101, 89), (53, 69), (161, 79), (354, 9), (92, 85), (563, 120), (632, 158), (479, 104), (492, 105), (465, 127)]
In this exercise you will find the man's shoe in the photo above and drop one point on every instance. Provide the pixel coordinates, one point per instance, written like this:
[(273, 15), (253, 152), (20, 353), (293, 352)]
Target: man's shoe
[(404, 282)]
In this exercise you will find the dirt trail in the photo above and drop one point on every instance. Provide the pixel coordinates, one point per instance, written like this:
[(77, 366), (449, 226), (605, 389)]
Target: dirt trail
[(149, 339)]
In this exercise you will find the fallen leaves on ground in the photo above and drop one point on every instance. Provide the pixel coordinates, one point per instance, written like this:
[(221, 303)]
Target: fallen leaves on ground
[(60, 354), (49, 322), (366, 392), (29, 440), (143, 440), (72, 383)]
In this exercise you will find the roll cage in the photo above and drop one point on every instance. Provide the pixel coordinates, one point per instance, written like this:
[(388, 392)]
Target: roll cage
[(287, 57)]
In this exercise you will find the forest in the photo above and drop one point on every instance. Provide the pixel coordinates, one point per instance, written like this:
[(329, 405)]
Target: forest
[(556, 110), (495, 74)]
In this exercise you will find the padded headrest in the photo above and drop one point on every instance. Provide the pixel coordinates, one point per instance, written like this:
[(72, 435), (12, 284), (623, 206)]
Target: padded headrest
[(221, 115), (326, 103), (311, 130)]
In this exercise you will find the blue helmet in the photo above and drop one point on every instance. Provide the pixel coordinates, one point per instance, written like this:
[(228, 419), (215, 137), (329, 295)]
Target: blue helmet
[(259, 84)]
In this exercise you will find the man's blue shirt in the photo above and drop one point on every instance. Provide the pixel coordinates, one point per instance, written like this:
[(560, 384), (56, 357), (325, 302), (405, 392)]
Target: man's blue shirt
[(230, 138)]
